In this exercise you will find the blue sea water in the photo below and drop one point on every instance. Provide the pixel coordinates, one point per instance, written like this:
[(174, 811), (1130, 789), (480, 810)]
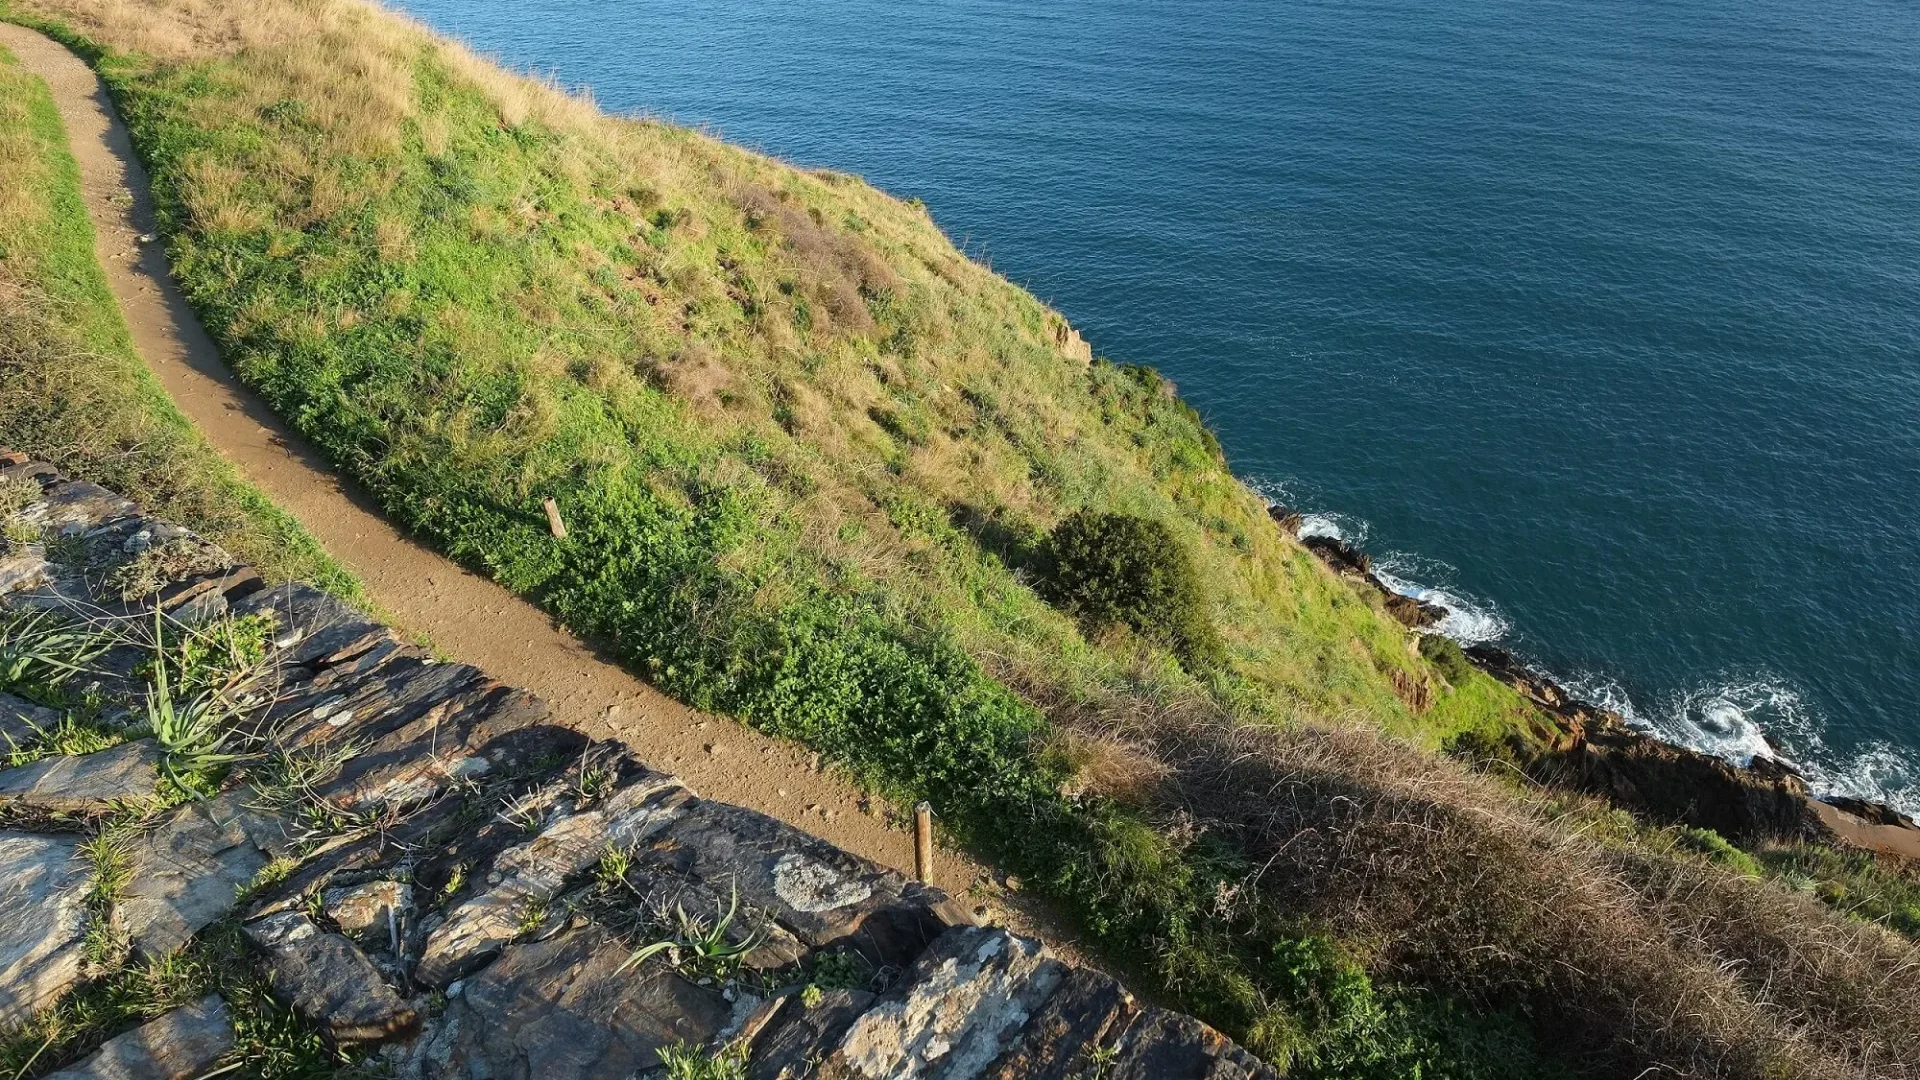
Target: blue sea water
[(1599, 318)]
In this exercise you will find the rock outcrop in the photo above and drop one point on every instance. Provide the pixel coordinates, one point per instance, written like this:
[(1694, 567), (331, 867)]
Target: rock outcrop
[(184, 1043), (462, 888)]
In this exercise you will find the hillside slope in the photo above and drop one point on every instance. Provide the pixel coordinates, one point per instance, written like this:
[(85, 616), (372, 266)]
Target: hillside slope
[(808, 456)]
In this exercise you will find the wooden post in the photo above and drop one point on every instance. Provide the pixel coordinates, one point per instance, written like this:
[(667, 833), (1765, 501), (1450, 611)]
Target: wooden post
[(923, 843), (558, 527)]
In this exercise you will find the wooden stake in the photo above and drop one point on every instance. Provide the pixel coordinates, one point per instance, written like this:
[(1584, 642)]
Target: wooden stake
[(558, 527), (923, 843)]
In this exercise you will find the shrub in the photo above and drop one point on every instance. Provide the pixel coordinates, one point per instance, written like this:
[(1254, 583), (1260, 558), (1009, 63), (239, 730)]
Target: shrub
[(1445, 653), (1133, 571)]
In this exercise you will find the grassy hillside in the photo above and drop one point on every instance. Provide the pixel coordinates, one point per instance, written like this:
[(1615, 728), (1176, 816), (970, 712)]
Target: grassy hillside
[(810, 457), (72, 390)]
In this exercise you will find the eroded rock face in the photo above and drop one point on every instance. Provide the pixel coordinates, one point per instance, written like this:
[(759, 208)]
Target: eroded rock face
[(1062, 1040), (958, 1010), (791, 1046), (84, 783), (371, 910), (43, 886), (537, 871), (1162, 1045), (187, 873), (327, 980), (182, 1044), (820, 893), (563, 1010), (21, 721)]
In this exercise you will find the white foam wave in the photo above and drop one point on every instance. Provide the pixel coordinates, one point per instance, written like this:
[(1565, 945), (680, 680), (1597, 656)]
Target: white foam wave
[(1735, 718), (1739, 719), (1468, 621)]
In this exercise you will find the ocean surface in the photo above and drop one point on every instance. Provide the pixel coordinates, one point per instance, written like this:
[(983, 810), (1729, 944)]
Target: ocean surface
[(1597, 321)]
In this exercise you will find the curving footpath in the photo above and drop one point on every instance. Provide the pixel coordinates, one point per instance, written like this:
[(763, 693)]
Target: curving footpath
[(466, 617), (437, 873)]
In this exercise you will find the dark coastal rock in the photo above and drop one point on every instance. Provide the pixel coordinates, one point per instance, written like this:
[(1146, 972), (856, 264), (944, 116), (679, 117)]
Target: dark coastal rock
[(74, 506), (537, 871), (184, 1043), (564, 1009), (1163, 1045), (956, 1012), (773, 946), (21, 721), (1417, 614), (1062, 1039), (822, 894), (84, 783), (187, 873), (43, 894), (791, 1046), (371, 910), (328, 981), (1341, 556), (1288, 520)]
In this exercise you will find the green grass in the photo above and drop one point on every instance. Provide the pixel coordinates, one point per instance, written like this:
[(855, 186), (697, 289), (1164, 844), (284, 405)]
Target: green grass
[(72, 390)]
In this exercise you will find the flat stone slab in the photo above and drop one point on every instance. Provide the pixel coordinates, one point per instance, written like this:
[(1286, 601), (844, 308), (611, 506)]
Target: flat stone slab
[(792, 1044), (1163, 1045), (564, 1010), (1062, 1040), (822, 894), (187, 873), (85, 783), (957, 1011), (21, 721), (182, 1044), (327, 980), (537, 871), (43, 886)]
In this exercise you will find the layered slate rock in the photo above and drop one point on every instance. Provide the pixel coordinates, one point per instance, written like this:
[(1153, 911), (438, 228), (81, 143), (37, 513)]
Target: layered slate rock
[(22, 721), (793, 1043), (182, 1044), (43, 886), (535, 872), (373, 909), (822, 894), (1064, 1038), (86, 783), (959, 1009), (187, 873), (327, 980), (1163, 1045), (563, 1009)]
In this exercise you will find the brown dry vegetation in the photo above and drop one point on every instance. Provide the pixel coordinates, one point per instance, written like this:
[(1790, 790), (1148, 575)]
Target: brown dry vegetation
[(628, 314)]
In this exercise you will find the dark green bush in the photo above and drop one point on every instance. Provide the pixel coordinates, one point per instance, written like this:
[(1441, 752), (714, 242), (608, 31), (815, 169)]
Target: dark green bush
[(1133, 571), (1445, 653)]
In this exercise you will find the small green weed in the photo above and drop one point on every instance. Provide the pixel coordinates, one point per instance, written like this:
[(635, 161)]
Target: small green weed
[(684, 1061), (40, 652), (701, 949)]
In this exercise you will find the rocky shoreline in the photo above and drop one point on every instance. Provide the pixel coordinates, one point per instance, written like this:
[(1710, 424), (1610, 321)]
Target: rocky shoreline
[(1593, 748), (439, 879)]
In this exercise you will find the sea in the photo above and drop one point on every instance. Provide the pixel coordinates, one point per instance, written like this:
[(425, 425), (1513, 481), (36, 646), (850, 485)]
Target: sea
[(1596, 321)]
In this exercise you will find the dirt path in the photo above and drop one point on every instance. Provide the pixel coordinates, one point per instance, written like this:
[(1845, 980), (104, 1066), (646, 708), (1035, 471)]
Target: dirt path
[(466, 617)]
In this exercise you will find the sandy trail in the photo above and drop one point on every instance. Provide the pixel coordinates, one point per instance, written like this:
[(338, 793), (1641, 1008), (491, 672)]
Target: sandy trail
[(466, 617)]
